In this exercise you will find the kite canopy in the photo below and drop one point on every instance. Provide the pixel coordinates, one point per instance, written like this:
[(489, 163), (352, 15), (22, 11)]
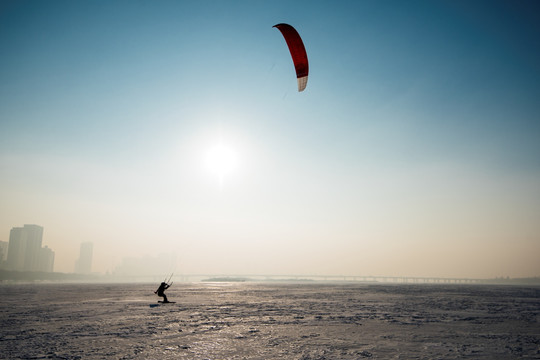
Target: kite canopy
[(298, 53)]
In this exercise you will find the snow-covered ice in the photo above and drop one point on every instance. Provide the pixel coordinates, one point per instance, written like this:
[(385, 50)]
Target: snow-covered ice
[(269, 321)]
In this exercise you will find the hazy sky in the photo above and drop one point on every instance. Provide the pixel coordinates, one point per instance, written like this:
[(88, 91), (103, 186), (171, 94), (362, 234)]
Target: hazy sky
[(414, 150)]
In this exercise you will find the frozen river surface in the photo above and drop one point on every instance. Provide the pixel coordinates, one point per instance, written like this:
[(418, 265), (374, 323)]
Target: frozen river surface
[(269, 321)]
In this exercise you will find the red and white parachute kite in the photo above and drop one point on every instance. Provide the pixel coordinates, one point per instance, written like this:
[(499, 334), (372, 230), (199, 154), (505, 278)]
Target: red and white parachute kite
[(298, 53)]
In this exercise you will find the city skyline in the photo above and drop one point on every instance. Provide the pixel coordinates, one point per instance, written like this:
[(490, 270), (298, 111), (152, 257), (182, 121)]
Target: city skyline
[(177, 127), (25, 250), (149, 267)]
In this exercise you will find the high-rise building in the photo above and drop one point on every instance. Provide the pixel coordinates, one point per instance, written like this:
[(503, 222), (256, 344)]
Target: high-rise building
[(16, 249), (34, 235), (46, 259), (3, 253), (83, 265), (25, 252)]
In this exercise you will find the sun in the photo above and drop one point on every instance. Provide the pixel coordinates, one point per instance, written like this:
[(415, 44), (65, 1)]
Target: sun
[(221, 160)]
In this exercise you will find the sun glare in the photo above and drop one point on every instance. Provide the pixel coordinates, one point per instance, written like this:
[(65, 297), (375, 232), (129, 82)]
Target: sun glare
[(221, 160)]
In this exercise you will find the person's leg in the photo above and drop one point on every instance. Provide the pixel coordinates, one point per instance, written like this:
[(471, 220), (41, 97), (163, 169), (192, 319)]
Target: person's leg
[(165, 298)]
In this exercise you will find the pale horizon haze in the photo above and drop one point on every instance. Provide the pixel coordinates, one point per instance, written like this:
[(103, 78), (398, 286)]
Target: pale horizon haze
[(176, 127)]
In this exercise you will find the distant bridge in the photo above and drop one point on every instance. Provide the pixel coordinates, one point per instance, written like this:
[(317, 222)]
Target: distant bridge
[(331, 278)]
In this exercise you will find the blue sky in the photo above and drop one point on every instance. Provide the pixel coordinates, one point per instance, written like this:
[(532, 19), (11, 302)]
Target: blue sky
[(413, 151)]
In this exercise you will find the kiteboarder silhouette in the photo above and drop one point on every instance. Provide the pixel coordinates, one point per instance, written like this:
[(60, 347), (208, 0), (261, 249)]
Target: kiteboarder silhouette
[(161, 290)]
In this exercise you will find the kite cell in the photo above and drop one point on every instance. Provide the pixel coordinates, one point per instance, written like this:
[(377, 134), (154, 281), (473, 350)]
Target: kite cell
[(298, 53)]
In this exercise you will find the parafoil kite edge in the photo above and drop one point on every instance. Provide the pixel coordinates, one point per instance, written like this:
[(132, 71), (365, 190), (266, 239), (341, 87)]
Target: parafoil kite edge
[(298, 53)]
